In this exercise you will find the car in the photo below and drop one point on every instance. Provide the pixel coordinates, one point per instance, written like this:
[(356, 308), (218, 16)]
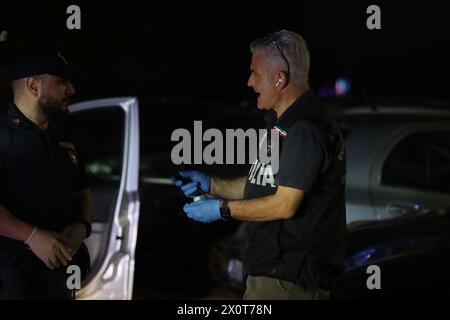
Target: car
[(397, 160), (134, 198), (107, 136), (397, 163), (411, 255)]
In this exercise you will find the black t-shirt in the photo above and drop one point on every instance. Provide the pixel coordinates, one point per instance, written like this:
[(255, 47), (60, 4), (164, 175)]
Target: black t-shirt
[(309, 247), (39, 172), (305, 155)]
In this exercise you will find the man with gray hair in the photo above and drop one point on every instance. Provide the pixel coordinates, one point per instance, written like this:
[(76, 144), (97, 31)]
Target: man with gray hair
[(294, 221)]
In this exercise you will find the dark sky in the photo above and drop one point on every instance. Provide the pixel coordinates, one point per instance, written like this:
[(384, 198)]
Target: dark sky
[(199, 50)]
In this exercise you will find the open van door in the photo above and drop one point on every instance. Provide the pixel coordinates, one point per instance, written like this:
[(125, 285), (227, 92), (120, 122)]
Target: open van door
[(107, 135)]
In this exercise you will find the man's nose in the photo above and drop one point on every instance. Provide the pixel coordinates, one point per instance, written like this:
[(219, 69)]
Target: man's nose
[(70, 89), (250, 81)]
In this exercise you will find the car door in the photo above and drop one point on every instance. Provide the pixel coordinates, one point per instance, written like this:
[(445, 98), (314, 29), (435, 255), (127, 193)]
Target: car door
[(412, 173), (107, 136)]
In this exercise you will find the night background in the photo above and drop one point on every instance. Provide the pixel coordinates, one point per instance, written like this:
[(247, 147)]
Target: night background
[(199, 50), (190, 61)]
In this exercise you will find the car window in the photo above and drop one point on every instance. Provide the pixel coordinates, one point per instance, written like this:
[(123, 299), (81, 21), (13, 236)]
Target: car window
[(99, 137), (420, 161), (99, 134)]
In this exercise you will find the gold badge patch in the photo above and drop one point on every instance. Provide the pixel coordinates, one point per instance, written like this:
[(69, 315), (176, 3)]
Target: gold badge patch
[(67, 145), (73, 158)]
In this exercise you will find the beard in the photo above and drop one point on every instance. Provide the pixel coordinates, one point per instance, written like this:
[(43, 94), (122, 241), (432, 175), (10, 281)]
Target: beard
[(52, 107)]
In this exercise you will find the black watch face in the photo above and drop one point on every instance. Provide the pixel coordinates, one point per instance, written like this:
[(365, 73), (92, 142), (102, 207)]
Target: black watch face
[(225, 213)]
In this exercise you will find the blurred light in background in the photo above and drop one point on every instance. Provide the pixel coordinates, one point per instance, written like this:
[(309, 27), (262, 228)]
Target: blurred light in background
[(341, 88)]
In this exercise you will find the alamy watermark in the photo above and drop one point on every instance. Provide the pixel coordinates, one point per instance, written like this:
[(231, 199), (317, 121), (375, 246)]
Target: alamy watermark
[(73, 281), (237, 144), (374, 280), (73, 22), (373, 22)]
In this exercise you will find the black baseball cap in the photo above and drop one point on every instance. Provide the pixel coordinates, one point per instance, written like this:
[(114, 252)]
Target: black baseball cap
[(39, 61)]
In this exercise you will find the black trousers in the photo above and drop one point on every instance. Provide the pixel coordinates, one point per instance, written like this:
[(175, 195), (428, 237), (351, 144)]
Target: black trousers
[(24, 277), (267, 288)]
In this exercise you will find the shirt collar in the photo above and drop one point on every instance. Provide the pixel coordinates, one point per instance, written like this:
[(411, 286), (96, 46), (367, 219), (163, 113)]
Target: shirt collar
[(298, 105), (19, 118), (301, 106)]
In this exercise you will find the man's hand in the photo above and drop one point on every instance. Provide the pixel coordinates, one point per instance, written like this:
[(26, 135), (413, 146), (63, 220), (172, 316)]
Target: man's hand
[(73, 236), (198, 178), (205, 211), (46, 247)]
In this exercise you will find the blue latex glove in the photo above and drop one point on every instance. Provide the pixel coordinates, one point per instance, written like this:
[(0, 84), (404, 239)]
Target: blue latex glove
[(206, 211), (198, 178)]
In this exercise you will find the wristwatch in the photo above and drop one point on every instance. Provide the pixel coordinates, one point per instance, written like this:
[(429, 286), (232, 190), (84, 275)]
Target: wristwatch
[(225, 213)]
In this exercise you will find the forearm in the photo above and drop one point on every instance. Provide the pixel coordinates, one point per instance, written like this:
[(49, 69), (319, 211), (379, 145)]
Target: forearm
[(13, 227), (267, 208), (279, 206), (230, 189)]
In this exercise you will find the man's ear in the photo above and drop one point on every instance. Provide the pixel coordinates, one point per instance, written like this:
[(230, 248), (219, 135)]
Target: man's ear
[(33, 85), (281, 80)]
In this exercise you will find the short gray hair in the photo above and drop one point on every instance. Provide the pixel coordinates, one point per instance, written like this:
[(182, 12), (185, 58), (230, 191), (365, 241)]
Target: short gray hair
[(294, 48)]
